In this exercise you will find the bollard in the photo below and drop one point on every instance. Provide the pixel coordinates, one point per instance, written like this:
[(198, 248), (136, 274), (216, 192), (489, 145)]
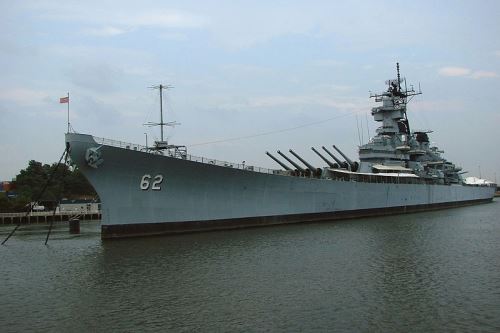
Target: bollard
[(74, 226)]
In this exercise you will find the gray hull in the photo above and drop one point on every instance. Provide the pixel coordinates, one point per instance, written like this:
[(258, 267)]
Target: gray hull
[(195, 196)]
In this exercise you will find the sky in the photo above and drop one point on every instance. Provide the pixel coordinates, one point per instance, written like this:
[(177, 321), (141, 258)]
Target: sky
[(254, 76)]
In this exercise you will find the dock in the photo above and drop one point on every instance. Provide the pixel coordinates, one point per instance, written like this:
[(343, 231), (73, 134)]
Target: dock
[(46, 217)]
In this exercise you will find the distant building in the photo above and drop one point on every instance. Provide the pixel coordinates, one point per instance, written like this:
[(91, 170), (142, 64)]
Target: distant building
[(6, 186), (83, 206)]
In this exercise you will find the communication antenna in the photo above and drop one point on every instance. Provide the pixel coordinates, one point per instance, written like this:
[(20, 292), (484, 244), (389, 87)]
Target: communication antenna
[(357, 125), (367, 128), (399, 76), (162, 87)]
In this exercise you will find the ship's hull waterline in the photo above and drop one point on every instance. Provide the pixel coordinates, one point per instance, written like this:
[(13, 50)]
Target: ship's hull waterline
[(149, 194)]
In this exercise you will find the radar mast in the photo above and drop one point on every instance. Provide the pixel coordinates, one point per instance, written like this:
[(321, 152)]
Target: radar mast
[(163, 144)]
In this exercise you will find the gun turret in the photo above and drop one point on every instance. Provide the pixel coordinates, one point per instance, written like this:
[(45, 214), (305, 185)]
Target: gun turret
[(298, 167), (339, 162), (309, 166), (330, 164), (353, 166), (283, 165)]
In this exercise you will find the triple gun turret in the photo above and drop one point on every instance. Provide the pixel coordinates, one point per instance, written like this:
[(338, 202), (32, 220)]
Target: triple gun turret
[(310, 170)]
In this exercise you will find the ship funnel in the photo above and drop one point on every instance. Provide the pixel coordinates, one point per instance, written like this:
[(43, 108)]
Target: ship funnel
[(353, 166), (307, 164), (296, 166), (330, 164), (283, 165)]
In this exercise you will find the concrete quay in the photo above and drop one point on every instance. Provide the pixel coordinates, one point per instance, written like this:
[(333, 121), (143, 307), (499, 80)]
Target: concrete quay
[(46, 217)]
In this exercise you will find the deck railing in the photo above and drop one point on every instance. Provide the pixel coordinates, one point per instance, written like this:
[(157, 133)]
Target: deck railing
[(172, 153)]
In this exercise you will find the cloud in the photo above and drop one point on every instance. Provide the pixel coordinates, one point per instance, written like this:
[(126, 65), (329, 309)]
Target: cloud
[(319, 100), (483, 74), (163, 18), (93, 59), (24, 97), (118, 20), (174, 36), (327, 63), (336, 88), (246, 69), (105, 31), (97, 77), (454, 71), (466, 72), (431, 106)]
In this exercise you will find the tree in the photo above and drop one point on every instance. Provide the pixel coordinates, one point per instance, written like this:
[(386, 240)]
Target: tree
[(30, 181), (5, 204), (65, 182)]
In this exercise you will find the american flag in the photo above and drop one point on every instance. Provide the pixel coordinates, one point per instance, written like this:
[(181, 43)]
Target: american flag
[(64, 99)]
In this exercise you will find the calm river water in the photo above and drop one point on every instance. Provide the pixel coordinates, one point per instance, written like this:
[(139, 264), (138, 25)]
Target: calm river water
[(433, 271)]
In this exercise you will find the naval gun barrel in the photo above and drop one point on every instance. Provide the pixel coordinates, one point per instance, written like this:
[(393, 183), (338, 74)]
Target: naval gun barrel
[(283, 165), (298, 167), (330, 164), (353, 166), (309, 166), (333, 156), (343, 155)]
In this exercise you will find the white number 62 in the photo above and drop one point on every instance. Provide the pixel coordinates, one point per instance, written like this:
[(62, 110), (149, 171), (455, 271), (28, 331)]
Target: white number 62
[(146, 182)]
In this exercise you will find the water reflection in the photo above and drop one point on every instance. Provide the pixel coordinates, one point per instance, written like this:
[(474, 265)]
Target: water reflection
[(414, 272)]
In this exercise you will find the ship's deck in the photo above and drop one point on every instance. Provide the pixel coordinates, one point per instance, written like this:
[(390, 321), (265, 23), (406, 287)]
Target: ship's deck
[(189, 157)]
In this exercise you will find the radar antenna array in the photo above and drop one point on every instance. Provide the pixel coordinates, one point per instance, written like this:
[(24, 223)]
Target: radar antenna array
[(161, 87), (395, 90)]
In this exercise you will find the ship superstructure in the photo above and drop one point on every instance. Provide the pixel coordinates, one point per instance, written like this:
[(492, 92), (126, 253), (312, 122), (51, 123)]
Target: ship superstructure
[(396, 146), (163, 189)]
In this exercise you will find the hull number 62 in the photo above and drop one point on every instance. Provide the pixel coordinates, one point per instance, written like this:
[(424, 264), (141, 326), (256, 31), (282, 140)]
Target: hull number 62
[(148, 181)]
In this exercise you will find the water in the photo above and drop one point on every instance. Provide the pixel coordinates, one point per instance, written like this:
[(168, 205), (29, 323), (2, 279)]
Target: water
[(433, 271)]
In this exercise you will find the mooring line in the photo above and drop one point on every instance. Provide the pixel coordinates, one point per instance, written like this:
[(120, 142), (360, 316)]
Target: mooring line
[(38, 198), (55, 208)]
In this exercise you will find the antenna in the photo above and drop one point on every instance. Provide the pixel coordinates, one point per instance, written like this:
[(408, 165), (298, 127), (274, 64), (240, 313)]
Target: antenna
[(362, 132), (367, 128), (399, 76), (357, 125), (161, 87)]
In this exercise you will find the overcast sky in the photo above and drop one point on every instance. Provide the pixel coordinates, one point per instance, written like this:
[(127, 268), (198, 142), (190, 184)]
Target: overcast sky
[(242, 68)]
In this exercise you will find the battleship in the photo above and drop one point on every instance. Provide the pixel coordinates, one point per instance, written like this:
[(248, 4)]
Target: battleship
[(163, 190)]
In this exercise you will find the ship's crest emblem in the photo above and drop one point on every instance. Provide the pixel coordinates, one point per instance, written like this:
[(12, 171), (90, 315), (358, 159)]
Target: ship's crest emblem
[(93, 156)]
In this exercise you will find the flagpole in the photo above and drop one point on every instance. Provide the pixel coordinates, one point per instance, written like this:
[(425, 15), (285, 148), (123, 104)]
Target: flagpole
[(68, 111)]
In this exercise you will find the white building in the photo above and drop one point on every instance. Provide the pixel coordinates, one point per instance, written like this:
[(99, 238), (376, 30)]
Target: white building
[(82, 206)]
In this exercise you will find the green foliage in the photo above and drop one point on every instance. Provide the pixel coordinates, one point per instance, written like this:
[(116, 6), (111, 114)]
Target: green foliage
[(32, 181), (4, 202), (9, 205)]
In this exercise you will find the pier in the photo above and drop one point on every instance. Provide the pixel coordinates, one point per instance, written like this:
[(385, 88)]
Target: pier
[(46, 217)]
